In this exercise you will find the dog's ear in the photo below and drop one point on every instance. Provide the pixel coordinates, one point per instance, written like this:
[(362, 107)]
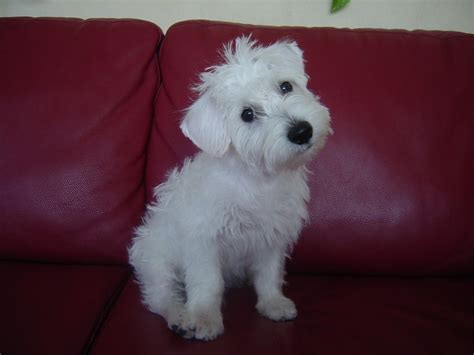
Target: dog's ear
[(205, 126), (295, 49)]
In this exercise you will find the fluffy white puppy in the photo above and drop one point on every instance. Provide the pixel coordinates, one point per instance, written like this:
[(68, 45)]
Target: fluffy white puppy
[(234, 211)]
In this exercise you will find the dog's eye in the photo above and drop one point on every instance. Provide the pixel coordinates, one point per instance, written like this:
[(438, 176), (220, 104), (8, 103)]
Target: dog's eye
[(286, 87), (247, 115)]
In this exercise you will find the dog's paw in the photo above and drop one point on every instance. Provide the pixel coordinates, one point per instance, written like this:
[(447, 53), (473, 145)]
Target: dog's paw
[(178, 322), (278, 308), (200, 325), (206, 324), (181, 330)]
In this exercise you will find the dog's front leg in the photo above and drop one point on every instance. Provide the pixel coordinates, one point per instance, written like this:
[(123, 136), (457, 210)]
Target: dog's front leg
[(268, 271), (204, 289)]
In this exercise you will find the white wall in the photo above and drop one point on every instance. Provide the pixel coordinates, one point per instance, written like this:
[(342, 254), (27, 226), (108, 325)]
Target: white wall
[(455, 15)]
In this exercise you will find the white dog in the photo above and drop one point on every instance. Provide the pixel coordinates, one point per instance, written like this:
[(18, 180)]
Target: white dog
[(234, 211)]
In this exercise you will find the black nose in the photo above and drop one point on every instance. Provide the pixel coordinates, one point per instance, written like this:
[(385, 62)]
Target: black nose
[(300, 132)]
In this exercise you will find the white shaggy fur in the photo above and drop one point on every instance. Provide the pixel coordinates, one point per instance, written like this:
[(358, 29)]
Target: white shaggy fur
[(234, 211)]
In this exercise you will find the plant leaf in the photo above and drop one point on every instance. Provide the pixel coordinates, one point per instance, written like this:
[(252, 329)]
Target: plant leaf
[(338, 4)]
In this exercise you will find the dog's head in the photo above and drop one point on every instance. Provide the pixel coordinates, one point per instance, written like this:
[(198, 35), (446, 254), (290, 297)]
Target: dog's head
[(257, 104)]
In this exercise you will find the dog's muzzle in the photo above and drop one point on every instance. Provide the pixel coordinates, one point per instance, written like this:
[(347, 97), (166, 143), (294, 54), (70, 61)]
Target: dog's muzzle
[(300, 132)]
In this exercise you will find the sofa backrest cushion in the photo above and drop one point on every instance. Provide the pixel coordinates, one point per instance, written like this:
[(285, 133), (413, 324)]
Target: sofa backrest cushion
[(392, 192), (76, 101)]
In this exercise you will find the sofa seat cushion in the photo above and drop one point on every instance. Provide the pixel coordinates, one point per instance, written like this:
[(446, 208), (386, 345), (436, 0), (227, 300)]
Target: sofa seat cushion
[(336, 315), (54, 309)]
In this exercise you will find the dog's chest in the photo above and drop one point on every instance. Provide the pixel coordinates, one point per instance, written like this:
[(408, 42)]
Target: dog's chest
[(264, 213)]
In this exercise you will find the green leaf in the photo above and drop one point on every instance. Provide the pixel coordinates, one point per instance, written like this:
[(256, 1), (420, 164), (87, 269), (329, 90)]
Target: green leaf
[(338, 4)]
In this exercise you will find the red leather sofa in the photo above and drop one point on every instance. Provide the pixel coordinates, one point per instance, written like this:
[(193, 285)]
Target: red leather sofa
[(89, 114)]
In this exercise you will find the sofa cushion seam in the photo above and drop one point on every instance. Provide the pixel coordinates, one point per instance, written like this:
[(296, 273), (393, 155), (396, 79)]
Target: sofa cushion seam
[(105, 313)]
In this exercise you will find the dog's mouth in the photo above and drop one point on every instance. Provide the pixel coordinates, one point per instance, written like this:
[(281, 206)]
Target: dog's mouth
[(306, 149)]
